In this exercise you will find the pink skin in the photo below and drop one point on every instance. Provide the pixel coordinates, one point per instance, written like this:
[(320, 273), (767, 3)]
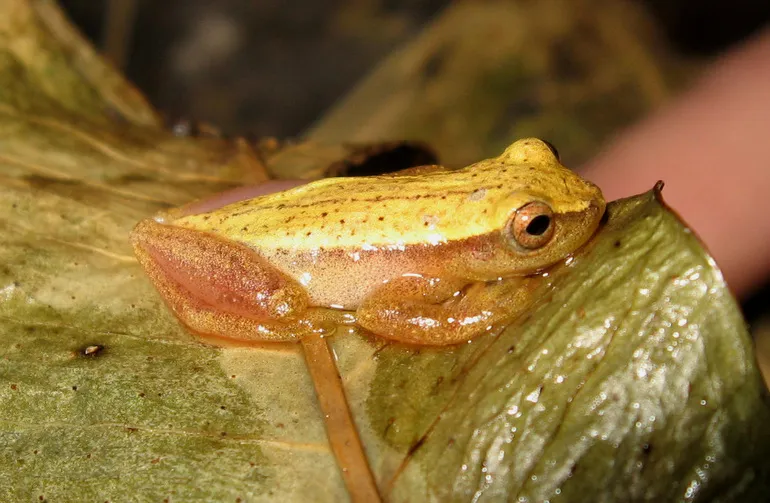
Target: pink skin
[(711, 147), (239, 194)]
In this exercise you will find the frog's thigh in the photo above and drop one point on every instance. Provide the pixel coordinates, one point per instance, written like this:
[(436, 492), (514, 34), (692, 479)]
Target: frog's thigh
[(218, 287), (422, 310)]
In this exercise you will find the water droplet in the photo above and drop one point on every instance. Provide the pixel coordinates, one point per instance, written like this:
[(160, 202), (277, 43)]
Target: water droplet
[(534, 396)]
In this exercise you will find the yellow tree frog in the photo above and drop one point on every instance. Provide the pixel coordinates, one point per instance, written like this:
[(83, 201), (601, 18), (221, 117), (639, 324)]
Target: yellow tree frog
[(428, 255)]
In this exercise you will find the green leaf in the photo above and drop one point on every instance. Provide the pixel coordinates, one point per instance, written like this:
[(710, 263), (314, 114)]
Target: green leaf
[(632, 380)]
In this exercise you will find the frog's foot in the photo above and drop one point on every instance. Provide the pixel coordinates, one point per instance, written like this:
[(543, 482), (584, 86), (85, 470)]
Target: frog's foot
[(220, 288), (432, 311)]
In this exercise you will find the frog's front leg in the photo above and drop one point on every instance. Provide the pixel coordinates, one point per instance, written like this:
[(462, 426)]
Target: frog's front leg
[(220, 288), (420, 309)]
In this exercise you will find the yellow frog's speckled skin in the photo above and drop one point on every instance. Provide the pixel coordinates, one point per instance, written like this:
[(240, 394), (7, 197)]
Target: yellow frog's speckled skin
[(394, 248)]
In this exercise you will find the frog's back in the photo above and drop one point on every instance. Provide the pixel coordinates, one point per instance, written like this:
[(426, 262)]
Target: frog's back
[(352, 212)]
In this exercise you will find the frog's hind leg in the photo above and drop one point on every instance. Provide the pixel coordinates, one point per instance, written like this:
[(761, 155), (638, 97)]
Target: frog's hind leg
[(432, 311), (340, 427), (220, 288)]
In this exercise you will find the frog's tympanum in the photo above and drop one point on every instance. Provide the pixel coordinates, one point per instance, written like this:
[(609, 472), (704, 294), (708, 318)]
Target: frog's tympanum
[(425, 256)]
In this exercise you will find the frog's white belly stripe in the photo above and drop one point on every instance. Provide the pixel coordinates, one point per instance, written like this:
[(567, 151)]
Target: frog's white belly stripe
[(341, 278)]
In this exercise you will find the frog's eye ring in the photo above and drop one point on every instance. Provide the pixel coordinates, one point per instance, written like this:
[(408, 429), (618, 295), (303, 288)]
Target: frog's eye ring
[(552, 149), (532, 226)]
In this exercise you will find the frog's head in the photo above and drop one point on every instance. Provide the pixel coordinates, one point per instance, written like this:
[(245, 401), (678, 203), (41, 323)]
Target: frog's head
[(543, 213)]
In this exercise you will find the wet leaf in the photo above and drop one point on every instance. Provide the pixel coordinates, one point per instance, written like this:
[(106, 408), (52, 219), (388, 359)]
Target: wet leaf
[(632, 379)]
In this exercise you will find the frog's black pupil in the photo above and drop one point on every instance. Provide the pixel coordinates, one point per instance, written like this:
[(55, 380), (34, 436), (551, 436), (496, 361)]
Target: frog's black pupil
[(553, 149), (539, 225)]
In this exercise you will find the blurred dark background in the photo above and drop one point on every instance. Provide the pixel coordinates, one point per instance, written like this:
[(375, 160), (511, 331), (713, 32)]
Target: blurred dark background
[(269, 67)]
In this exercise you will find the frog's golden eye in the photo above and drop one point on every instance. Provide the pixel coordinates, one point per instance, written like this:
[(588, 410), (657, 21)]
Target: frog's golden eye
[(532, 226), (552, 149)]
